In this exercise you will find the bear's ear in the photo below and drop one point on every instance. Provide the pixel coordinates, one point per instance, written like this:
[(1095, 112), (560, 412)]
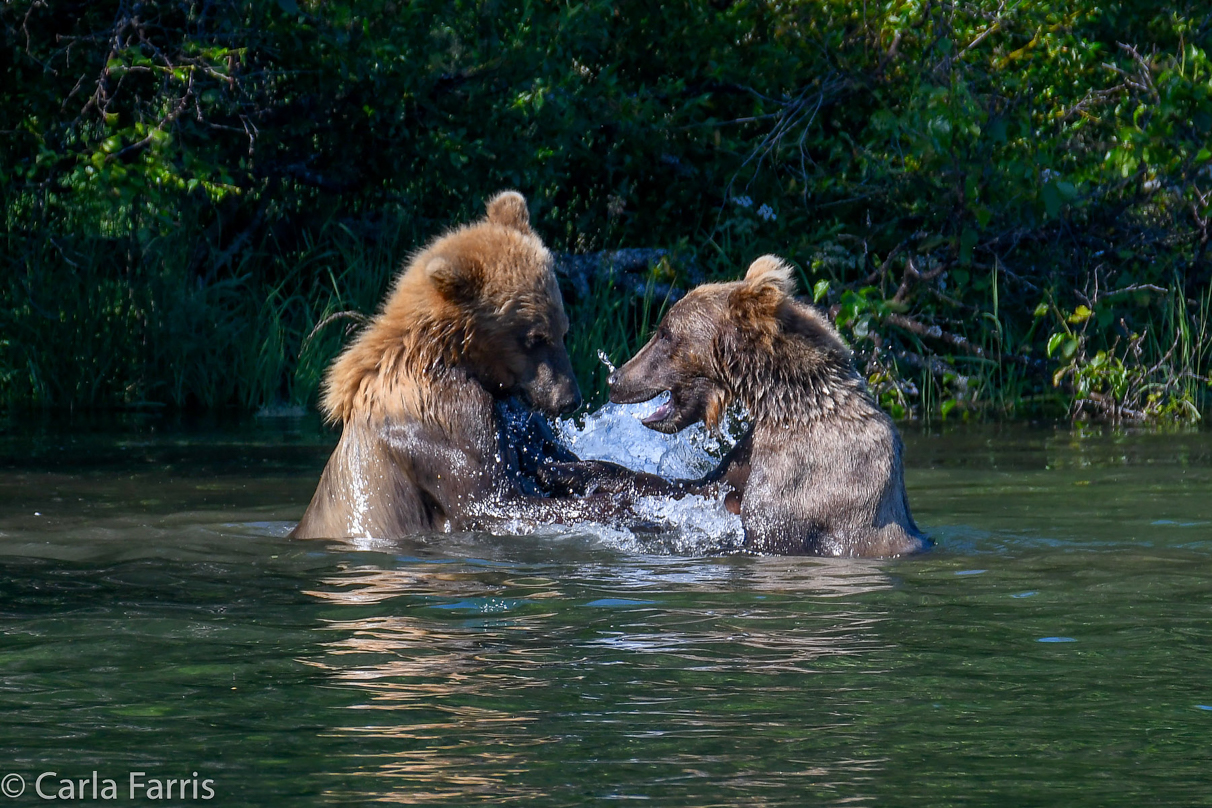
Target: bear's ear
[(755, 301), (508, 209), (454, 281), (770, 270)]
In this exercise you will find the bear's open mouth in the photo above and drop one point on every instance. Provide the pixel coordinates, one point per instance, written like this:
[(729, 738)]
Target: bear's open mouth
[(662, 412)]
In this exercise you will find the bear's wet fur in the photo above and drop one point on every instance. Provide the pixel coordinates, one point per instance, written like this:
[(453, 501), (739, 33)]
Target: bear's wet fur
[(819, 472), (475, 317)]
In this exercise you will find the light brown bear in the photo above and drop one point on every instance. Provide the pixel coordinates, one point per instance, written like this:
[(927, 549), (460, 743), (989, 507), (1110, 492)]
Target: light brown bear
[(475, 317), (819, 471)]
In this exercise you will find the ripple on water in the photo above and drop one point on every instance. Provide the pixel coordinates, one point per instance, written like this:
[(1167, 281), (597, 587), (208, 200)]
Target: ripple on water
[(147, 623)]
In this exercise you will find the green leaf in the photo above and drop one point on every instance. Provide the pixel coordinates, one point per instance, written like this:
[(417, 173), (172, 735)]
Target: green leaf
[(997, 130), (819, 290), (1052, 199), (1053, 341), (1069, 348), (1079, 315), (1040, 310)]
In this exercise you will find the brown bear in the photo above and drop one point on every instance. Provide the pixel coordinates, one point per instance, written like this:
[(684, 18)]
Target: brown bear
[(819, 471), (475, 317)]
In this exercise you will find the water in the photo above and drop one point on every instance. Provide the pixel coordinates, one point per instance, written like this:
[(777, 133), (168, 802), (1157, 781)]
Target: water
[(1054, 649), (697, 525)]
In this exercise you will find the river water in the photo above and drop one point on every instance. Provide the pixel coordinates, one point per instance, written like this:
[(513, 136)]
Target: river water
[(1055, 648)]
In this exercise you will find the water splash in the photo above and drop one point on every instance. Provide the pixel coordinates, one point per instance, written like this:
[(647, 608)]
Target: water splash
[(614, 433), (694, 524)]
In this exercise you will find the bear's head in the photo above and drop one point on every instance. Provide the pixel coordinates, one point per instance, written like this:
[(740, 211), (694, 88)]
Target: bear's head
[(483, 299), (727, 340), (498, 276)]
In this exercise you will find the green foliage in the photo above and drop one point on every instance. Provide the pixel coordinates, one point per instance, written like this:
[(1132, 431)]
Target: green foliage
[(609, 326), (188, 188), (109, 333), (1124, 381)]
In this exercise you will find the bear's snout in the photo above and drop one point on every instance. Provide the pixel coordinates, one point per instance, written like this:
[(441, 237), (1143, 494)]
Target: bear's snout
[(554, 390), (631, 384), (571, 401), (615, 384)]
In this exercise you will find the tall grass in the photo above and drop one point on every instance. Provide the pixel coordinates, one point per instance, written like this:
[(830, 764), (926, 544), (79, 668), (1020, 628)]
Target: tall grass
[(612, 323), (128, 321), (99, 322), (94, 322)]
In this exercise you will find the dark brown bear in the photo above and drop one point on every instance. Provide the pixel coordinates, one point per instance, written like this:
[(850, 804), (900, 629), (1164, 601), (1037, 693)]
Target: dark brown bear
[(475, 317), (819, 472)]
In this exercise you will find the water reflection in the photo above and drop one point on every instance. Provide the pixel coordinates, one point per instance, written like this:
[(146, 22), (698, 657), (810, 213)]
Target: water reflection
[(567, 670), (471, 676), (438, 742)]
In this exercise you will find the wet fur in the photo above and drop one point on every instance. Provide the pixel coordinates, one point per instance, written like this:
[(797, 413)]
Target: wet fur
[(820, 470), (474, 317)]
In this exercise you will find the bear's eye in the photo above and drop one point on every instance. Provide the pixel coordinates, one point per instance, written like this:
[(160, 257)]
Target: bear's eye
[(535, 340)]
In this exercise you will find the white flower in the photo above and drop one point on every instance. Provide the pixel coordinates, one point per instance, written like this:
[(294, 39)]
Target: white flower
[(767, 213), (742, 201)]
